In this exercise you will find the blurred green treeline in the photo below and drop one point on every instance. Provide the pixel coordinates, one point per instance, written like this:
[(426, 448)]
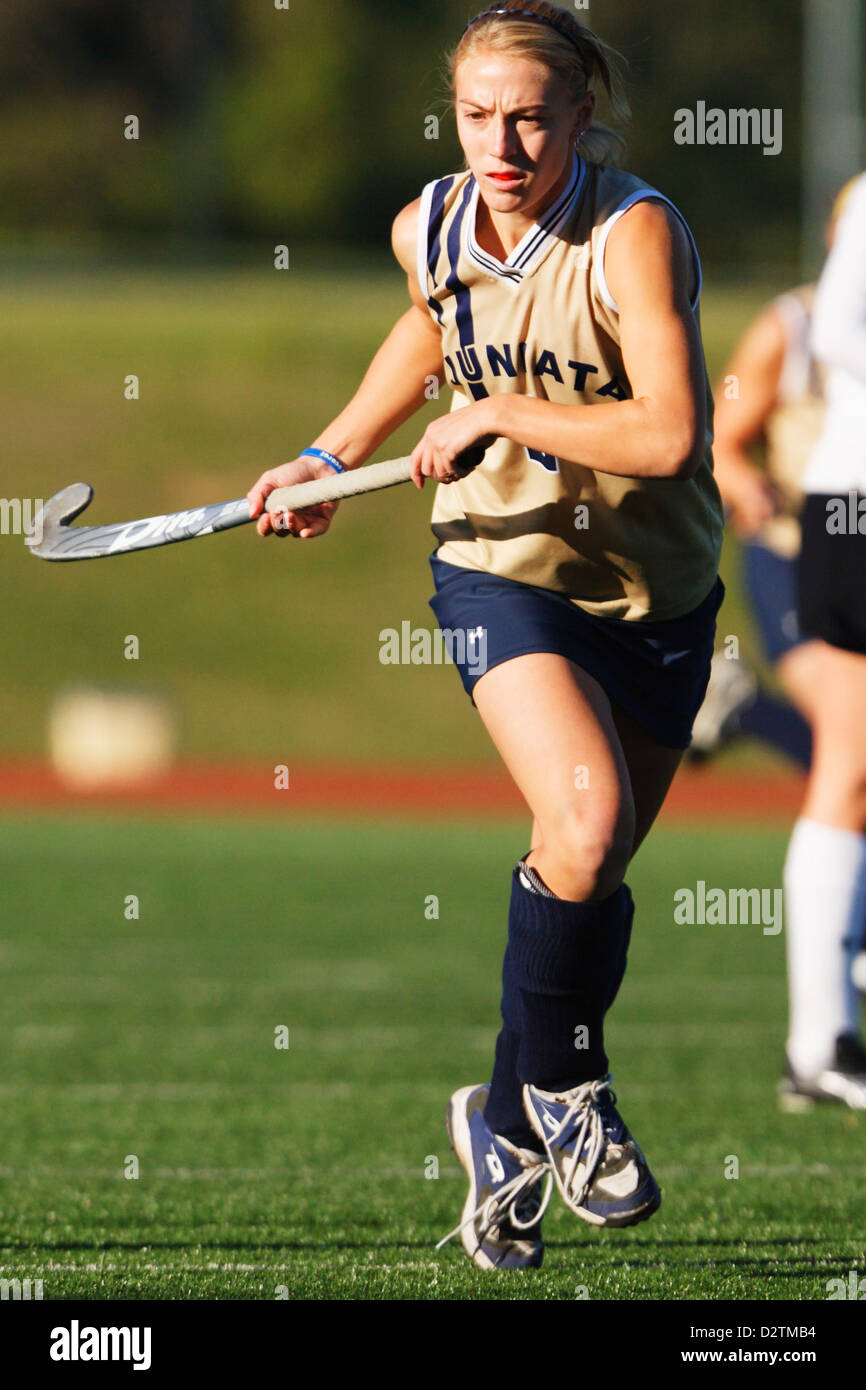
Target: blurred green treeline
[(265, 125)]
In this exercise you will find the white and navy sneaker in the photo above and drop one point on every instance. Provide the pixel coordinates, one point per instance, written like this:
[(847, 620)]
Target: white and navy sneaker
[(844, 1082), (509, 1189), (601, 1173)]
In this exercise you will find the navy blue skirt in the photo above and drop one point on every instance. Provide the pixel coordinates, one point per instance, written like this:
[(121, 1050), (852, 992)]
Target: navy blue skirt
[(657, 673)]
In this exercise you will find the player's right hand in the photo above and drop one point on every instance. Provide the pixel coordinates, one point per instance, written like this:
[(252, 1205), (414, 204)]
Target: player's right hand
[(312, 521)]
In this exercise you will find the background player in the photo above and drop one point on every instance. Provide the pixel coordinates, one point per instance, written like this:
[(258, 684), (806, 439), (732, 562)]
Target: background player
[(558, 298), (825, 869), (770, 394)]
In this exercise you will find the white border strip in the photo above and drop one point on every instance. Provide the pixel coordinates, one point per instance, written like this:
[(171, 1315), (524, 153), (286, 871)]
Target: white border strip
[(423, 237), (641, 195)]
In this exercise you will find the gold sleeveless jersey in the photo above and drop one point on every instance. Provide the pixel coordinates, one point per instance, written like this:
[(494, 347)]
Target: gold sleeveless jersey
[(543, 323), (792, 429)]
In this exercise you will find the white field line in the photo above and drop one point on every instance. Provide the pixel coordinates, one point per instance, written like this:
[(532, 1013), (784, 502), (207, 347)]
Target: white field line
[(355, 1272)]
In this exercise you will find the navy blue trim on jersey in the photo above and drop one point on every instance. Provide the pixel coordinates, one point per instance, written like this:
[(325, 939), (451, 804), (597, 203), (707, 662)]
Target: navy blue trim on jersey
[(434, 234), (437, 217), (488, 262), (528, 253), (465, 326), (553, 214), (656, 673), (771, 583)]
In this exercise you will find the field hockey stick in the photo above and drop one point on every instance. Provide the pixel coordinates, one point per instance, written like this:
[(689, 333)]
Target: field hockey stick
[(53, 538)]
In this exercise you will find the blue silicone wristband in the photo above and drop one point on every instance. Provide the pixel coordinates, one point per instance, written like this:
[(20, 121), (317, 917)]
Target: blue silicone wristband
[(323, 454)]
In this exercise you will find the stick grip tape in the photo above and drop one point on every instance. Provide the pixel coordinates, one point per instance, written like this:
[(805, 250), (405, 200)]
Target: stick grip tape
[(356, 481)]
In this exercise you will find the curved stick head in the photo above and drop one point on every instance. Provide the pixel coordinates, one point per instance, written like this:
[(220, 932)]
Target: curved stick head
[(57, 512)]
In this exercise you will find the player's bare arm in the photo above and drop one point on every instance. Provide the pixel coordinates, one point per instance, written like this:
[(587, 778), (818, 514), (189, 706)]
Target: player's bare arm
[(741, 415), (660, 433)]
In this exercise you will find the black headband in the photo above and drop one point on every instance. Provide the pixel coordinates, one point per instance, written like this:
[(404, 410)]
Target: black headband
[(532, 17)]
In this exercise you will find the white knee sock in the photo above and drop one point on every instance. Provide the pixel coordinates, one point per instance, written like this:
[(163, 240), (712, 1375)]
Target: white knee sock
[(825, 899)]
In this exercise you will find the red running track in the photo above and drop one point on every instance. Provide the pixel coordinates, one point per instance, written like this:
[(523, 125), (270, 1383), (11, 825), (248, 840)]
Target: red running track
[(420, 793)]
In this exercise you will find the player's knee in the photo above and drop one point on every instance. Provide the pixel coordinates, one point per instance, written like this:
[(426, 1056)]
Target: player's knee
[(594, 852)]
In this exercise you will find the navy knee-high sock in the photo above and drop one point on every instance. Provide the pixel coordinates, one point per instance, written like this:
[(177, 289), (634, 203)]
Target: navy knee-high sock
[(563, 967), (504, 1111)]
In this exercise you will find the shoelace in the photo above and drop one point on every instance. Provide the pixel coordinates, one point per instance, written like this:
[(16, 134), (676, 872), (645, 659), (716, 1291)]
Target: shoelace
[(591, 1133), (519, 1192)]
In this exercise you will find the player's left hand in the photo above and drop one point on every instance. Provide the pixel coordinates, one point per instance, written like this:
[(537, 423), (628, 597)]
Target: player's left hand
[(448, 436)]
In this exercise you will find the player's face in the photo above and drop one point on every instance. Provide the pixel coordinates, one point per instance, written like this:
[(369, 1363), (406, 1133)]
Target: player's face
[(517, 123)]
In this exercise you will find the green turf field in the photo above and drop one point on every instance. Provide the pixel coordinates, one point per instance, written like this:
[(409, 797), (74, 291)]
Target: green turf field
[(303, 1169), (269, 650)]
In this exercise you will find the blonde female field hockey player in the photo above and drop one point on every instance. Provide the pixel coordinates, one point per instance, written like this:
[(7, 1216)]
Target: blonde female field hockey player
[(557, 298)]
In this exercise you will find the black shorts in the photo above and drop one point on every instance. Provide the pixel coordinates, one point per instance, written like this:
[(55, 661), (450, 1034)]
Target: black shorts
[(656, 672), (832, 570)]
